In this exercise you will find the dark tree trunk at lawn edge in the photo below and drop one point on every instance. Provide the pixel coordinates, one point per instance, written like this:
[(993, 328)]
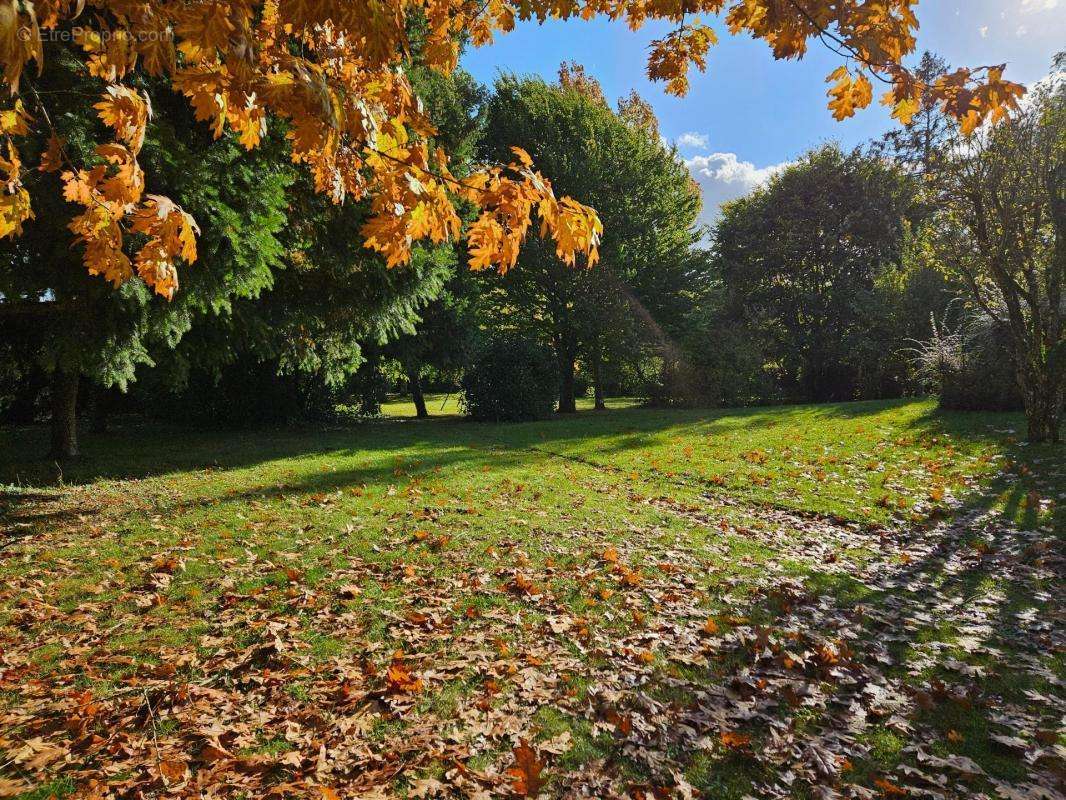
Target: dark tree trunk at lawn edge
[(64, 415), (415, 382), (567, 403)]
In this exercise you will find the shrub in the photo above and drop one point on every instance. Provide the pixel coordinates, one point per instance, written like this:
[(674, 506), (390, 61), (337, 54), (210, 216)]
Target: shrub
[(367, 388), (720, 363), (510, 380), (678, 382), (971, 367)]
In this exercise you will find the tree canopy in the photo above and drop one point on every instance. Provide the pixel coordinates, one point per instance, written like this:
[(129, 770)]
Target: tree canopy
[(802, 259), (1000, 225), (643, 193), (334, 73)]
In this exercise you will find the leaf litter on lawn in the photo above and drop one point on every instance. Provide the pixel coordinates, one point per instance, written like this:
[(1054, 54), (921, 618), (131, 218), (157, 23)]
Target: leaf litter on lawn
[(666, 662)]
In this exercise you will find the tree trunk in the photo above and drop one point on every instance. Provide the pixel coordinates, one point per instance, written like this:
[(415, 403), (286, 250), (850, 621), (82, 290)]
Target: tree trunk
[(64, 417), (1041, 426), (597, 382), (567, 402), (1042, 395), (415, 382), (1043, 409)]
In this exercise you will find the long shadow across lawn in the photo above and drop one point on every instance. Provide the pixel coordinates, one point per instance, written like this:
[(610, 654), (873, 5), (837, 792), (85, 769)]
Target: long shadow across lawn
[(367, 453), (1035, 471), (141, 450), (931, 668), (879, 642)]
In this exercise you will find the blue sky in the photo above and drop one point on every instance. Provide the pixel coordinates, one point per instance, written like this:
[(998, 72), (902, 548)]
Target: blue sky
[(748, 114)]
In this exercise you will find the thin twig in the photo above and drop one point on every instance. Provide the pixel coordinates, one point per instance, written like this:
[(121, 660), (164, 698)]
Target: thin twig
[(155, 738)]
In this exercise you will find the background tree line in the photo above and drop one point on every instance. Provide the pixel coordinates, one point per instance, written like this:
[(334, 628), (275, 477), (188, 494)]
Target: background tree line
[(927, 260)]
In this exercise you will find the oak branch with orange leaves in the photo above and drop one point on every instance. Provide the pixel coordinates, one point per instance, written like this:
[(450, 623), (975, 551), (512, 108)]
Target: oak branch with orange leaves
[(333, 69)]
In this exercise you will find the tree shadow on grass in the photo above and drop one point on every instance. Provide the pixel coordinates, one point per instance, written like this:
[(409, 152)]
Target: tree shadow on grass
[(296, 480), (908, 606), (931, 667), (291, 459), (141, 449), (1033, 481)]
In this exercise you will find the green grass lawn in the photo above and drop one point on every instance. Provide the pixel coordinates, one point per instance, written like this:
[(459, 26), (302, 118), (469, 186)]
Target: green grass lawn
[(650, 597), (449, 405), (438, 405)]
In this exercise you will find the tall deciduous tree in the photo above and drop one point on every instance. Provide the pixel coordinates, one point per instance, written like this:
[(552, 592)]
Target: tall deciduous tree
[(802, 259), (641, 190), (1002, 226)]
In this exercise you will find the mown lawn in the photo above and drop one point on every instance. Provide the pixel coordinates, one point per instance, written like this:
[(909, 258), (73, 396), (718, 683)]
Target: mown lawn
[(655, 600), (442, 404)]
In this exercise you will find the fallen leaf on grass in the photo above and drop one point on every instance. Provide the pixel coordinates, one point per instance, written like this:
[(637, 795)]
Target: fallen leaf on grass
[(11, 787), (645, 657), (734, 739), (399, 679), (173, 770), (890, 789), (525, 774)]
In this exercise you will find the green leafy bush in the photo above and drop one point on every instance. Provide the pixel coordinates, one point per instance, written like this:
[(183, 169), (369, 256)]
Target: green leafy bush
[(510, 380)]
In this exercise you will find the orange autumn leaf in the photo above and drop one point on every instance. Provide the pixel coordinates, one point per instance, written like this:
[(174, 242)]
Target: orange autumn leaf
[(52, 157), (890, 789), (848, 94), (173, 770), (622, 722), (522, 584), (734, 739), (526, 780), (399, 679)]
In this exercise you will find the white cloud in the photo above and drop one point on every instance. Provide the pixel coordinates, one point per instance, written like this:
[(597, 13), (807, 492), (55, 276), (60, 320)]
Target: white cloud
[(691, 139), (983, 30), (1022, 30), (1035, 6), (723, 177)]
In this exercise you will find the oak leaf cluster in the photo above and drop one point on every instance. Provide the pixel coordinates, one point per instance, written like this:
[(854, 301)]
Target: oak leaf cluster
[(334, 73)]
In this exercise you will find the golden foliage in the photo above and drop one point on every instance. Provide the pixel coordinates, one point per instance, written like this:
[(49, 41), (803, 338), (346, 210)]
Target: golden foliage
[(672, 55), (572, 76), (848, 94), (334, 71)]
